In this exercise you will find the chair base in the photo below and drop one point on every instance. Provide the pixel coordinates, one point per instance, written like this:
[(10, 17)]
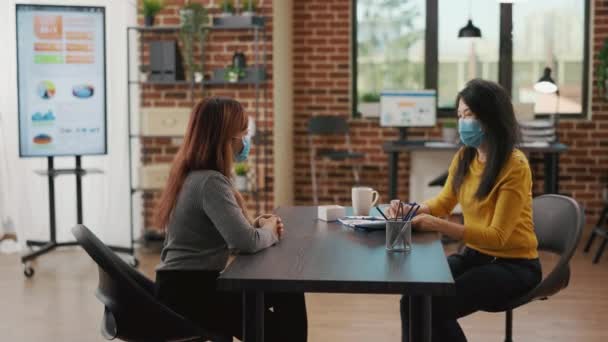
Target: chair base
[(601, 230), (509, 326), (45, 247)]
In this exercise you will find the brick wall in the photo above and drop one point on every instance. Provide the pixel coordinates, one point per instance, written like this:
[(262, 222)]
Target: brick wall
[(219, 48), (322, 86), (322, 81)]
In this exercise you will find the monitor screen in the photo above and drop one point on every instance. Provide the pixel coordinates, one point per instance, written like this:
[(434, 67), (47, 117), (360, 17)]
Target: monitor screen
[(408, 108), (61, 80)]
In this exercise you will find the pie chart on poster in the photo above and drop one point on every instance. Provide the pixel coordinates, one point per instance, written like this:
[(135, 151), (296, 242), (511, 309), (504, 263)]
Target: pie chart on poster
[(82, 91), (46, 90), (42, 139)]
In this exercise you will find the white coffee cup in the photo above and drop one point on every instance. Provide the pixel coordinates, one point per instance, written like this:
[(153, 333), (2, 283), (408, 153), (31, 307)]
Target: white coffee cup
[(364, 198)]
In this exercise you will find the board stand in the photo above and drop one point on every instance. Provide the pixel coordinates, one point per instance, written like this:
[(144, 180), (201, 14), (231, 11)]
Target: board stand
[(45, 247)]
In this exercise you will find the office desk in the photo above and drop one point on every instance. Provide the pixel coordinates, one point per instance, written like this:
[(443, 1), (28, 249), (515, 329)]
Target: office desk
[(551, 161), (317, 256)]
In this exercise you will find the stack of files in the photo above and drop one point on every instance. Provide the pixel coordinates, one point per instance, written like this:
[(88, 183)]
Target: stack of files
[(537, 131)]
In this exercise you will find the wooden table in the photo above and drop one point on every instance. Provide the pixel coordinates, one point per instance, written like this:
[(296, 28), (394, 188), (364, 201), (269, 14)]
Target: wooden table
[(316, 256)]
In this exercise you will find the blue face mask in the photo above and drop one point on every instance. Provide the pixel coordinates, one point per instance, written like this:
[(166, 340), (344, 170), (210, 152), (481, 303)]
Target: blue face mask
[(242, 156), (470, 132)]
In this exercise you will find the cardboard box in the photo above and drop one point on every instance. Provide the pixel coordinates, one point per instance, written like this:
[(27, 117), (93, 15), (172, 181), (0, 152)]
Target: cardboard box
[(167, 121)]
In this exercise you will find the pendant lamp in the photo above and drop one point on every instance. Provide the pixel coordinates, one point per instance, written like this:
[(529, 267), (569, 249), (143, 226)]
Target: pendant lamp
[(470, 30)]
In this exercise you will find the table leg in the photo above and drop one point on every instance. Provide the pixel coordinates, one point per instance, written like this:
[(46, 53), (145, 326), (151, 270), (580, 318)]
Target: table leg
[(393, 169), (551, 173), (253, 316), (420, 318)]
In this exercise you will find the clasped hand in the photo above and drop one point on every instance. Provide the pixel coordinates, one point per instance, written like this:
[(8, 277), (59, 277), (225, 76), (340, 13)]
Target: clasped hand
[(270, 222)]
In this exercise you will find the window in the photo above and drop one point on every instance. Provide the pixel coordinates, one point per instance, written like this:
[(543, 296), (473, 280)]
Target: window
[(549, 33), (463, 59), (414, 44), (390, 47)]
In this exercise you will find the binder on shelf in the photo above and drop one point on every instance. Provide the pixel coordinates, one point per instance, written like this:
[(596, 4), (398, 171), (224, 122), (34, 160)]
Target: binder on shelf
[(165, 61)]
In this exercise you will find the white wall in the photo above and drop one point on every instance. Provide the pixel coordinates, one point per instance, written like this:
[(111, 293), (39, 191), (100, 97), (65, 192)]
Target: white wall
[(24, 194)]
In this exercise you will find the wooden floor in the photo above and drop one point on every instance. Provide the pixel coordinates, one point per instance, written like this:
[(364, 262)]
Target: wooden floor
[(58, 304)]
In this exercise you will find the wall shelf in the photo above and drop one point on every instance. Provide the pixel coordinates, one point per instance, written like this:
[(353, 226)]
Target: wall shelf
[(147, 136), (255, 77)]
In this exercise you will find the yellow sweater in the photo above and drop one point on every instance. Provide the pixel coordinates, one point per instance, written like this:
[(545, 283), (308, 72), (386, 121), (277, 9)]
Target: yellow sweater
[(500, 224)]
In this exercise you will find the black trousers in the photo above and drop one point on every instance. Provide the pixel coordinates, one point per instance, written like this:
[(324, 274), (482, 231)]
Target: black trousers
[(482, 282), (193, 294)]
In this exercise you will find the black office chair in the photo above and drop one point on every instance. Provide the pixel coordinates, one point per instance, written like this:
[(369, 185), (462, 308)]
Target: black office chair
[(559, 222), (326, 125), (439, 180), (132, 313)]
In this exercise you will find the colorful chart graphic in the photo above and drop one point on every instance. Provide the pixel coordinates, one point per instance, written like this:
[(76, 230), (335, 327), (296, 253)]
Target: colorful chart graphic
[(61, 80), (82, 91), (42, 139), (48, 26), (46, 90), (46, 117)]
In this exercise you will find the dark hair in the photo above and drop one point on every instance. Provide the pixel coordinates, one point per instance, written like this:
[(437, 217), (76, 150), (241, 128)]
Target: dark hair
[(492, 106)]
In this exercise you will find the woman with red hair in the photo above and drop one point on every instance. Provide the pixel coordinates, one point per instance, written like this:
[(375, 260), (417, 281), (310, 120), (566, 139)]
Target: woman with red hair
[(206, 220)]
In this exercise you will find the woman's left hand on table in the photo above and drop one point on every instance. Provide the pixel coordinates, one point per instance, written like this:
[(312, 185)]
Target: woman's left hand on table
[(259, 221)]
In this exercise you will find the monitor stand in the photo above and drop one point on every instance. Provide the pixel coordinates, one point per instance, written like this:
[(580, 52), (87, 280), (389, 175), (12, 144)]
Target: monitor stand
[(403, 138)]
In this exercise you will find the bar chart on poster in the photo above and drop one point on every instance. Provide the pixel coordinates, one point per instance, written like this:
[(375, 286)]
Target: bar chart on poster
[(61, 80)]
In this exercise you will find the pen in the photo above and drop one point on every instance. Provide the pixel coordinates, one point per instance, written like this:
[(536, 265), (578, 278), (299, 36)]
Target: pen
[(381, 213), (409, 211), (414, 212)]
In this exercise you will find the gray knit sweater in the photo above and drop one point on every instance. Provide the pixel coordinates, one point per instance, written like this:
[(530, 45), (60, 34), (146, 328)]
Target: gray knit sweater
[(206, 223)]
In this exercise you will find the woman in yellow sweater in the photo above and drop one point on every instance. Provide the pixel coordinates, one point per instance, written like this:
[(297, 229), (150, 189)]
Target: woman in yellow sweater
[(491, 180)]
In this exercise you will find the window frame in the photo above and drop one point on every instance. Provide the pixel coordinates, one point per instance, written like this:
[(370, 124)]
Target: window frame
[(505, 61)]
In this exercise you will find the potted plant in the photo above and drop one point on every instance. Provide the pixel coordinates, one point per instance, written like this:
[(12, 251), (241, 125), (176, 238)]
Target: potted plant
[(449, 130), (249, 7), (143, 73), (150, 8), (602, 70), (369, 105), (240, 180), (193, 18), (227, 8), (234, 74)]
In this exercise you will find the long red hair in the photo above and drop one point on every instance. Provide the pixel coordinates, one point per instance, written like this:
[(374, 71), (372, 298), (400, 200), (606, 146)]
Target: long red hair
[(207, 145)]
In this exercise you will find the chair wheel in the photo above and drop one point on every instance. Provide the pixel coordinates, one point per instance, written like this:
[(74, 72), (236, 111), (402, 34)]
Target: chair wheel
[(134, 262), (28, 271)]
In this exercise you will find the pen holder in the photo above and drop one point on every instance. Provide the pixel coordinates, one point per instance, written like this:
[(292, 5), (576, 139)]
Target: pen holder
[(398, 236)]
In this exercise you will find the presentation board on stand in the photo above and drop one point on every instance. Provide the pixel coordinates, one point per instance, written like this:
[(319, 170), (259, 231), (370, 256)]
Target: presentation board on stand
[(408, 108), (61, 80)]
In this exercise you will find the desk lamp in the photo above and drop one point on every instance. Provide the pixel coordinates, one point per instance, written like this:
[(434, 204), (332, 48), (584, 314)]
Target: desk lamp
[(546, 85)]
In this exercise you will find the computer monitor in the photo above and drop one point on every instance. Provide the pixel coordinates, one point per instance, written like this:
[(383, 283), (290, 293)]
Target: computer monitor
[(408, 108)]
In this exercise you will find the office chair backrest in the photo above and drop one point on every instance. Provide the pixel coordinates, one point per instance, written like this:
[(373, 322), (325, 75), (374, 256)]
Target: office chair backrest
[(559, 222), (132, 313), (327, 124)]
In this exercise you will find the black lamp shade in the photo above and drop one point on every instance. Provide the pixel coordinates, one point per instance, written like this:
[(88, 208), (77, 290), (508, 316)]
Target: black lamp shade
[(546, 84), (469, 31)]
